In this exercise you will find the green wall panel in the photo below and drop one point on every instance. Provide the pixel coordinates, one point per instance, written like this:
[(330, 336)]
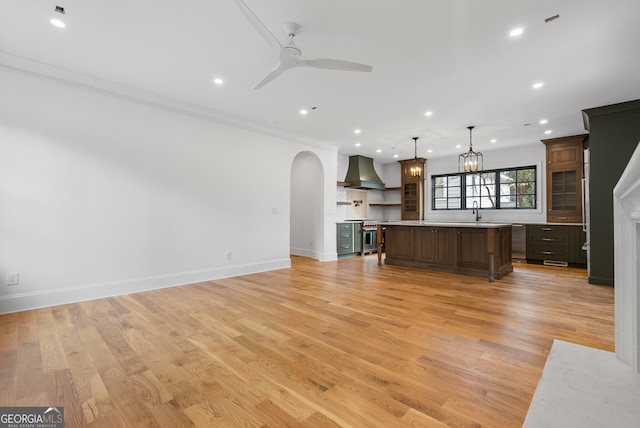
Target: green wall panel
[(614, 133)]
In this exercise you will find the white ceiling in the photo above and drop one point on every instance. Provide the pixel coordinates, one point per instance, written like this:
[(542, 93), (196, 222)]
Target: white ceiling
[(452, 57)]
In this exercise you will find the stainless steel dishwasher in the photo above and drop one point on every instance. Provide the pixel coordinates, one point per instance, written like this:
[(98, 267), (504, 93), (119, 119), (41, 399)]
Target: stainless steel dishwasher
[(519, 243)]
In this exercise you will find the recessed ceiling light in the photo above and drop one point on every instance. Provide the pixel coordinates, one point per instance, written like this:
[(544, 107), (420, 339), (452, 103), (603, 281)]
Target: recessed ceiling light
[(357, 144), (458, 146), (429, 151), (516, 32), (395, 156), (428, 113), (494, 140), (543, 122), (548, 131), (538, 85), (379, 151), (356, 131), (218, 81), (303, 112), (58, 23)]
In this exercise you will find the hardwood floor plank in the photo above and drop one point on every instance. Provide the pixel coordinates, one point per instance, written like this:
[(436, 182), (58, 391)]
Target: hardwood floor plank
[(53, 354), (61, 392), (9, 333), (91, 390), (8, 378), (169, 415), (275, 416), (29, 372), (345, 343)]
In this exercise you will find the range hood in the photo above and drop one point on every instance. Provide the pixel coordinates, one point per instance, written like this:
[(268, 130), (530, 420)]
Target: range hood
[(361, 174)]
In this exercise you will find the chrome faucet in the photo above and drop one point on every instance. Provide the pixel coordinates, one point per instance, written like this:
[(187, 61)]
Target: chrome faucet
[(476, 211)]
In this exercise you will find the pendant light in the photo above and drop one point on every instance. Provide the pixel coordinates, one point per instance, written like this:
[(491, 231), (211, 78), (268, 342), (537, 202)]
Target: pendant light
[(470, 161), (416, 169)]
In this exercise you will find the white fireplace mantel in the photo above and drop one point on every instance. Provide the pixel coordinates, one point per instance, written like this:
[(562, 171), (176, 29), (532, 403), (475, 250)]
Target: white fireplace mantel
[(626, 214)]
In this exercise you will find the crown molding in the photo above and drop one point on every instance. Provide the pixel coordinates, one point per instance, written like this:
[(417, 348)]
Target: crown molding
[(82, 81)]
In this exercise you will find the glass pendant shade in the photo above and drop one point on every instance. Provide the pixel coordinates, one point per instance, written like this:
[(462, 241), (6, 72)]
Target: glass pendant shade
[(470, 161)]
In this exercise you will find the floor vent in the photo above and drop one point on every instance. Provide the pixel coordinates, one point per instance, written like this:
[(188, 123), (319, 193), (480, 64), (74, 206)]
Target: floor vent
[(555, 263)]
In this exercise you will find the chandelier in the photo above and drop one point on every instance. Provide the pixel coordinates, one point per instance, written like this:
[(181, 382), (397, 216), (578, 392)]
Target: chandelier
[(416, 169), (470, 161)]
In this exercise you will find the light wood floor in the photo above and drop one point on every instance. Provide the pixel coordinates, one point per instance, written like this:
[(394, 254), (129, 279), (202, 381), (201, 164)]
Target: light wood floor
[(342, 343)]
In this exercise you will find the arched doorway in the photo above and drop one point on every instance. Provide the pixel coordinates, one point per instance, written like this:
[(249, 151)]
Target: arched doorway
[(306, 233)]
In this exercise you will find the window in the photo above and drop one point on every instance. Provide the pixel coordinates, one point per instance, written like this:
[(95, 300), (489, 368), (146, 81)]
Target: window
[(447, 192), (481, 190), (511, 188)]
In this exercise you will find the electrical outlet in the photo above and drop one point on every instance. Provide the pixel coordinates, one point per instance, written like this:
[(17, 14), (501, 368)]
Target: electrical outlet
[(227, 255), (13, 278)]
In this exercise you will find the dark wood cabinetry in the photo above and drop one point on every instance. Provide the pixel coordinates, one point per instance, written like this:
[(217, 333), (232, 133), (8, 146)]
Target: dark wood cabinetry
[(402, 244), (564, 179), (481, 251), (435, 245), (412, 189), (556, 244), (471, 243)]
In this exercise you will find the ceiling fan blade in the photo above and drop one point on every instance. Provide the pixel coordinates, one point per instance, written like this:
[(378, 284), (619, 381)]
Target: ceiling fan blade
[(259, 25), (270, 76), (336, 64)]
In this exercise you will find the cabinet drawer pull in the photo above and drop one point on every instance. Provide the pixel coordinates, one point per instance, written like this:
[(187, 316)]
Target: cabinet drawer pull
[(548, 239), (547, 229), (547, 252)]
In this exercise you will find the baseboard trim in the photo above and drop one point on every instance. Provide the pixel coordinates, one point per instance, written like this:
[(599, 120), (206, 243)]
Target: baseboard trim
[(600, 281), (48, 298)]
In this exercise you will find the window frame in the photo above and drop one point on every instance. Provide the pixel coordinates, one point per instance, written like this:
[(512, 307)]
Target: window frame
[(461, 176), (497, 183)]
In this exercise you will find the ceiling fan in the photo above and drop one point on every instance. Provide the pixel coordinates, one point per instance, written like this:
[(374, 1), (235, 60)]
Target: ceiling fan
[(291, 55)]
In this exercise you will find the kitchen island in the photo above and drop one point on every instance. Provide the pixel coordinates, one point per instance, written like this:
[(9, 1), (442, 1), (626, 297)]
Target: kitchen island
[(480, 249)]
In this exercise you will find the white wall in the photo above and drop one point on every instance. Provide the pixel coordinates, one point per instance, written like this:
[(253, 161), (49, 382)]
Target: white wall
[(306, 205), (101, 195), (532, 154)]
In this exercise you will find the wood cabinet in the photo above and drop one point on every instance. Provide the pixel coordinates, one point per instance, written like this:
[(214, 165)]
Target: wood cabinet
[(402, 244), (564, 179), (435, 245), (471, 249), (412, 189), (557, 245), (480, 251)]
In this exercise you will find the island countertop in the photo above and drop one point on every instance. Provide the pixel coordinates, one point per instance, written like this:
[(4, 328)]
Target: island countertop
[(474, 248), (482, 225)]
